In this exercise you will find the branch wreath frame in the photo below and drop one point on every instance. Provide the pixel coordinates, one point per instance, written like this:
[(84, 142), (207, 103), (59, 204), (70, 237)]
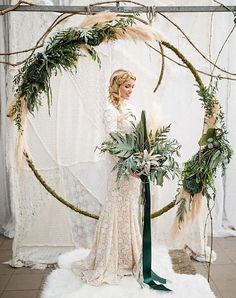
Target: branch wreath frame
[(63, 52)]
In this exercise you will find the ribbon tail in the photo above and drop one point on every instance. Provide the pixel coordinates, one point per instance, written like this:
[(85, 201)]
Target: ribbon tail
[(159, 287), (158, 278), (149, 276)]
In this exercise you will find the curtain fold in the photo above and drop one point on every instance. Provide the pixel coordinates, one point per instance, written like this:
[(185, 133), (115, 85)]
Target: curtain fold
[(6, 216)]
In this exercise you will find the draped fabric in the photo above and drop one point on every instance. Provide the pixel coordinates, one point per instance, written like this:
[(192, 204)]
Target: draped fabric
[(62, 145), (6, 219)]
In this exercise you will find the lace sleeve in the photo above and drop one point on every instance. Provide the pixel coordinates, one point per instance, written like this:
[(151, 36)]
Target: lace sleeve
[(110, 120)]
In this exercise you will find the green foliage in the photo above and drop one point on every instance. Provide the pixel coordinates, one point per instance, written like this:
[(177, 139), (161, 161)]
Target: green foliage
[(120, 145), (181, 211), (141, 153), (215, 151), (61, 53), (92, 52), (199, 172), (207, 97)]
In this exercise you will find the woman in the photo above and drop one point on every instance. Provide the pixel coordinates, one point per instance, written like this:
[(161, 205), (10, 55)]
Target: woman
[(117, 244)]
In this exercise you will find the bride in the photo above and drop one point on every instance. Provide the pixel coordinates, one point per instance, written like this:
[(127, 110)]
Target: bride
[(117, 243), (117, 247)]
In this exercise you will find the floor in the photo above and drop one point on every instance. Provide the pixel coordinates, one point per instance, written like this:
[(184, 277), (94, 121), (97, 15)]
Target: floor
[(27, 283), (223, 270)]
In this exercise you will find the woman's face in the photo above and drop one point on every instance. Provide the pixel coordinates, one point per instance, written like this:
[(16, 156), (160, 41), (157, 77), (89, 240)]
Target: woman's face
[(126, 88)]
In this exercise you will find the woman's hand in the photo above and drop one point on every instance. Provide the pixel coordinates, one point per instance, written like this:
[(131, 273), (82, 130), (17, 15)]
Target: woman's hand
[(135, 175)]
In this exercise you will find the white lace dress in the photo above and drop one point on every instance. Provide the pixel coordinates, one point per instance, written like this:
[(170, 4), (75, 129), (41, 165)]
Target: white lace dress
[(117, 243)]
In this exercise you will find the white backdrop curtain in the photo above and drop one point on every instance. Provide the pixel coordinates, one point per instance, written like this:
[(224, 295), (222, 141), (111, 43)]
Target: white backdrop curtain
[(62, 145), (6, 219)]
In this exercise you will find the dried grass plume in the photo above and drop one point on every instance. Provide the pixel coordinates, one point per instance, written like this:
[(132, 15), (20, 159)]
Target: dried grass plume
[(193, 210), (139, 32), (135, 32), (98, 19)]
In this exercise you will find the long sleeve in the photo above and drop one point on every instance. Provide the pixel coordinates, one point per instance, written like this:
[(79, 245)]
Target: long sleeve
[(110, 119)]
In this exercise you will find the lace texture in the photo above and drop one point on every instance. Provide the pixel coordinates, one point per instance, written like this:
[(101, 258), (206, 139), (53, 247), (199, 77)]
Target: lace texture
[(117, 243)]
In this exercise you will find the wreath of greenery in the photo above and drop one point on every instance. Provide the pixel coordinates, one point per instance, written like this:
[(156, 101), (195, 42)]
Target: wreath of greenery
[(64, 50)]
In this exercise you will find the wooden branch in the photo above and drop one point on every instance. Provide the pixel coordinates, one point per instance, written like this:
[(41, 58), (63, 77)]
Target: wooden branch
[(37, 43), (193, 45), (182, 65), (211, 235), (162, 68), (221, 49), (73, 207), (164, 209), (221, 4), (211, 240), (14, 7), (40, 42), (185, 61), (53, 193)]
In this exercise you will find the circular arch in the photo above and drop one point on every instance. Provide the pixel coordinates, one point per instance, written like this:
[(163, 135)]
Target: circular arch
[(64, 50)]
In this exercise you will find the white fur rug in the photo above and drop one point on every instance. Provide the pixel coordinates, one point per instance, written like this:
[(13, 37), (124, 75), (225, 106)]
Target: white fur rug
[(63, 283)]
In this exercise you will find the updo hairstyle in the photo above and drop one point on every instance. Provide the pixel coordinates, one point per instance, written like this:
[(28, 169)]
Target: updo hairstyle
[(118, 77)]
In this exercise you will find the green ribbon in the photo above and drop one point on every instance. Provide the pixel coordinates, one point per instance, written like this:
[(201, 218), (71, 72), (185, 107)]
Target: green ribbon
[(145, 273), (149, 277)]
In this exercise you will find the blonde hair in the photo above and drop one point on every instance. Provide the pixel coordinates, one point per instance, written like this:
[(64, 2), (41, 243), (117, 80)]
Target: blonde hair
[(118, 77)]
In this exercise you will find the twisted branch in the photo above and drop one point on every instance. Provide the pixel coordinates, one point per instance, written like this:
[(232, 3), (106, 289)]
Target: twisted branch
[(40, 43), (221, 49), (52, 191), (73, 207), (193, 45), (162, 68), (7, 10), (174, 24), (186, 62), (182, 65), (165, 209)]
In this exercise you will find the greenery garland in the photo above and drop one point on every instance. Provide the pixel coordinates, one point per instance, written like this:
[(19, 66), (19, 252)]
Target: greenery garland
[(63, 51), (215, 151)]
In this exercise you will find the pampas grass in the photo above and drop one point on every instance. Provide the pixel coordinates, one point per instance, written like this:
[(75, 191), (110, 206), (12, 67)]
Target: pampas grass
[(135, 32), (193, 208), (139, 32), (98, 20)]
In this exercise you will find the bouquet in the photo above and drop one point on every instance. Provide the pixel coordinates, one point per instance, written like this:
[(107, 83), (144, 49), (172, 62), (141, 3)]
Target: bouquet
[(143, 153), (150, 156)]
